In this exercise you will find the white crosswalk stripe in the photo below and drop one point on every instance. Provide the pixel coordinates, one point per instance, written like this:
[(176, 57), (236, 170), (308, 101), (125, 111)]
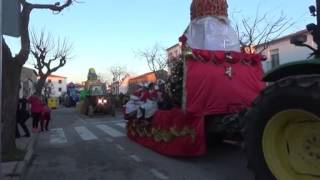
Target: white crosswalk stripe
[(158, 174), (85, 134), (123, 125), (110, 131), (57, 136)]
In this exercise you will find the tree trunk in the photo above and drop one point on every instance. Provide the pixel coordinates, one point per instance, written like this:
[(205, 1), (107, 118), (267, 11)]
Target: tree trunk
[(40, 84), (10, 90)]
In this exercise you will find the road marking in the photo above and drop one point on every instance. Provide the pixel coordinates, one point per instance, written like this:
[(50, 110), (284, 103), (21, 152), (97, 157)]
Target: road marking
[(57, 136), (158, 174), (85, 134), (107, 122), (83, 121), (109, 139), (123, 125), (120, 147), (136, 158), (112, 132)]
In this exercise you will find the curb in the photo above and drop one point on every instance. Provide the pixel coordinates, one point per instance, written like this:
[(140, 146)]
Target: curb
[(21, 166)]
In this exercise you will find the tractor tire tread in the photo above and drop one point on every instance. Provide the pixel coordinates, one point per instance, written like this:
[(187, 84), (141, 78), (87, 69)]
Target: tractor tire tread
[(307, 85)]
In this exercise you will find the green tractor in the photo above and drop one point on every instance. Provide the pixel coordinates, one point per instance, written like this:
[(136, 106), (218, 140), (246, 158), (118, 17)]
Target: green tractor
[(98, 100), (95, 98), (282, 133)]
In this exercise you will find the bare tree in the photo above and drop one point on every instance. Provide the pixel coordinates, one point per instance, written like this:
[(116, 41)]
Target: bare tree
[(156, 58), (49, 56), (104, 78), (117, 72), (12, 69), (47, 89), (261, 29)]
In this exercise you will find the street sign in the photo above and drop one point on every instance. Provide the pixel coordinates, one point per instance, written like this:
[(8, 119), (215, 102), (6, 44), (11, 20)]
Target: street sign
[(11, 17)]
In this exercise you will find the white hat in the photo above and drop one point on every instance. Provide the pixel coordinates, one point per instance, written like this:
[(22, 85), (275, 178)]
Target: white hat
[(134, 98), (160, 81), (146, 84)]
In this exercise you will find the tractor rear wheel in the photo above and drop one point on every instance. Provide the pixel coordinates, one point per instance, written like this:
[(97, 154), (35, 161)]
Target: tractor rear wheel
[(282, 134)]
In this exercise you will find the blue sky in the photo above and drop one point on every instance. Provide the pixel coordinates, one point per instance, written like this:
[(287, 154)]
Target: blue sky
[(109, 32)]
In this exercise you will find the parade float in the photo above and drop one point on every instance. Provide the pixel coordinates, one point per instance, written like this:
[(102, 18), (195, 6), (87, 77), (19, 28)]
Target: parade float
[(213, 82), (71, 98)]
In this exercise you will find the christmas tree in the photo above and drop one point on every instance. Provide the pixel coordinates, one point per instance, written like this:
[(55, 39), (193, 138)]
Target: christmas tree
[(175, 81)]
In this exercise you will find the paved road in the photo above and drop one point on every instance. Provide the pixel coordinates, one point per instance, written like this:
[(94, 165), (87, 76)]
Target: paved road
[(80, 148)]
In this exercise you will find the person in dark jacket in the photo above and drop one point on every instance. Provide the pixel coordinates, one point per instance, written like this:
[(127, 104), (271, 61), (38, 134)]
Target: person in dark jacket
[(21, 117)]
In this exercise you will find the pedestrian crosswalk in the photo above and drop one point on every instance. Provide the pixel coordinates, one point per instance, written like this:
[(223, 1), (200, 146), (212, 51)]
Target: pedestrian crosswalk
[(57, 136), (123, 125), (112, 132), (86, 133)]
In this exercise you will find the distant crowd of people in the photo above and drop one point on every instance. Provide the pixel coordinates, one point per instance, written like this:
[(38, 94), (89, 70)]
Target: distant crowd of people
[(35, 107), (145, 101)]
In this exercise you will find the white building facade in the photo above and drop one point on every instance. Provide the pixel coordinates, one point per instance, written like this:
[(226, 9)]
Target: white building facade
[(122, 86), (173, 53), (281, 51), (28, 78), (57, 85)]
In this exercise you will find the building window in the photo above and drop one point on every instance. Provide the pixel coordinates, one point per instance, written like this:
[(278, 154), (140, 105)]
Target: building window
[(60, 89), (60, 81), (275, 58), (49, 80)]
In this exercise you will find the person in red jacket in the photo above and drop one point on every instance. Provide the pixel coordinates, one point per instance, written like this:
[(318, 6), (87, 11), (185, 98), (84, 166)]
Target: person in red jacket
[(45, 117)]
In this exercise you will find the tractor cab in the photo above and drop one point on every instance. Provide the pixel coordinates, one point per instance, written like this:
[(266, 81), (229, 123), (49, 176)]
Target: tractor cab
[(98, 100)]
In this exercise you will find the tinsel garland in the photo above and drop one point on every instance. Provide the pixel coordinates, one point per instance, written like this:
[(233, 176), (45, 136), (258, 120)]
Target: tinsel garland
[(160, 134)]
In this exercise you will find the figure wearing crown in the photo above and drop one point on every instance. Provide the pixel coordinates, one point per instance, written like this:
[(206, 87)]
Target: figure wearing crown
[(210, 27)]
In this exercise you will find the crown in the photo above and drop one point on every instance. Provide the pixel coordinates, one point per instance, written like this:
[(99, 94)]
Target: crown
[(201, 8)]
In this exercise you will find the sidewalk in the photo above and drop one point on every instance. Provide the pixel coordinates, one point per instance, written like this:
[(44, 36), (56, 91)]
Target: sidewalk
[(15, 170)]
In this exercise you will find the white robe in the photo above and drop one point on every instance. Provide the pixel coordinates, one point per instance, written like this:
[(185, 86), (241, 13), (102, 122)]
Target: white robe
[(133, 104), (150, 108), (212, 33)]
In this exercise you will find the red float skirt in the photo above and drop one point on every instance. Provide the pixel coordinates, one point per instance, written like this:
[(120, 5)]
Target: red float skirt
[(216, 82)]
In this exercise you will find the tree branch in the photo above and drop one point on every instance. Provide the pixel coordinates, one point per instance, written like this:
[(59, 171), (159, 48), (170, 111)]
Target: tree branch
[(54, 7), (41, 50), (260, 30), (155, 58)]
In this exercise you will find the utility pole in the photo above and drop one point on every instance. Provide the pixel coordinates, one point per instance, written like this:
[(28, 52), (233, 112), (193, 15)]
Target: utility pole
[(314, 29), (9, 25), (318, 24), (1, 176)]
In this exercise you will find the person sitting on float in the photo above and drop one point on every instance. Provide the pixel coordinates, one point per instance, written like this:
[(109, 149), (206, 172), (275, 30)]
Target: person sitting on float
[(135, 101), (149, 107), (160, 95)]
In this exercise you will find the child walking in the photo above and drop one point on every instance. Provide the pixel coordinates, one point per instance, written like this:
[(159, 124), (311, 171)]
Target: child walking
[(45, 117)]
